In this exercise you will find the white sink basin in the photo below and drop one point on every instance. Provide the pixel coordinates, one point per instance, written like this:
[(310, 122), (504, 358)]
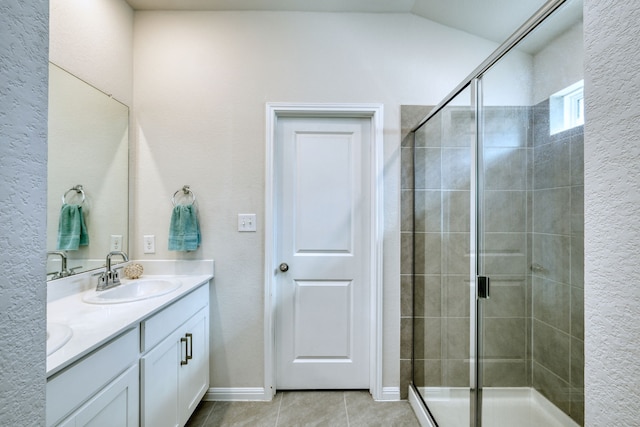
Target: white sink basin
[(57, 336), (134, 290)]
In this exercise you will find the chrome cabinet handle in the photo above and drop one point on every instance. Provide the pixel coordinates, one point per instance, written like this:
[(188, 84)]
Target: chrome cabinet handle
[(284, 267), (190, 352), (184, 362)]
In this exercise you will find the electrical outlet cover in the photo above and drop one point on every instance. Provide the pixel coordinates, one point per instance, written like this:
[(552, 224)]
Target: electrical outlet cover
[(149, 244)]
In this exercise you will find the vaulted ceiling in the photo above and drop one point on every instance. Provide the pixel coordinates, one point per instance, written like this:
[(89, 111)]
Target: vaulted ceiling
[(491, 19)]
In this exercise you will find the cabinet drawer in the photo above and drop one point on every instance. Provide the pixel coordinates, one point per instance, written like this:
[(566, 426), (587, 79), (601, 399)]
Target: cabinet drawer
[(70, 388), (160, 325)]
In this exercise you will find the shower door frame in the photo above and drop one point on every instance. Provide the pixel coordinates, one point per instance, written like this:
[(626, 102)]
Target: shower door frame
[(475, 241)]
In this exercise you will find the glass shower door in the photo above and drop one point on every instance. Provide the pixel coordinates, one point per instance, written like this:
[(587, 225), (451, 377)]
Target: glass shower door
[(530, 228), (443, 160)]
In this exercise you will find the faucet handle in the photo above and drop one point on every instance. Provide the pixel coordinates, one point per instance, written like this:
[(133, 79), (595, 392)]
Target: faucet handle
[(102, 280), (115, 276)]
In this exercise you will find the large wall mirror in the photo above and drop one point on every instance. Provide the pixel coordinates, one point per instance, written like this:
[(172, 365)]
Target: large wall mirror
[(88, 175)]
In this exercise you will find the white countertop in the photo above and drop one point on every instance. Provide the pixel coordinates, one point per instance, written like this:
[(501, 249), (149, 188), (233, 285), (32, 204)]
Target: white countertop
[(96, 324)]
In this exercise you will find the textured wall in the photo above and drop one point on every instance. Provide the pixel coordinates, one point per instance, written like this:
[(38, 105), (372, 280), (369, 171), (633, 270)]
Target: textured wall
[(612, 213), (23, 177)]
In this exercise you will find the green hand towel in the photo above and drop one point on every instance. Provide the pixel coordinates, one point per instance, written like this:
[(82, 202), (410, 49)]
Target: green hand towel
[(184, 230), (72, 230)]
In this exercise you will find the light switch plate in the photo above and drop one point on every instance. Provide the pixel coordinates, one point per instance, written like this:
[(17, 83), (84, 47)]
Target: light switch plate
[(246, 222)]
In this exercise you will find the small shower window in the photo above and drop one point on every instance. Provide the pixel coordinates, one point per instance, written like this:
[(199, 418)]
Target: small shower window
[(566, 108)]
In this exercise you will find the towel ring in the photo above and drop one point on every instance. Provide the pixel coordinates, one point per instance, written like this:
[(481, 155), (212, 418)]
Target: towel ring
[(78, 189), (185, 189)]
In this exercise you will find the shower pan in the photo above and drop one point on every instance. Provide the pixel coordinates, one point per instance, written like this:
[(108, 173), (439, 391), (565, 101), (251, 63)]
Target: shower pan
[(498, 236)]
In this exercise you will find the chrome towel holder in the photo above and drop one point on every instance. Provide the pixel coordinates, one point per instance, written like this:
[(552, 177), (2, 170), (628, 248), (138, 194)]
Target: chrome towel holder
[(78, 190), (187, 192)]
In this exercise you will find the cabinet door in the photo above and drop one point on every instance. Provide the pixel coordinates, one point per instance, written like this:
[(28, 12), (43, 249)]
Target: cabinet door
[(159, 382), (70, 389), (115, 405), (194, 376)]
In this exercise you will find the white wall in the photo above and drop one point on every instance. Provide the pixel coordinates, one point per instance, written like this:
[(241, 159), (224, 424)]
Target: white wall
[(558, 65), (612, 213), (93, 41), (201, 81), (23, 191), (509, 81), (523, 79)]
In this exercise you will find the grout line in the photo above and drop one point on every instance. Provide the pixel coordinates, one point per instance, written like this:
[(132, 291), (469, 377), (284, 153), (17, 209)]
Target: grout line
[(279, 407), (204, 423), (344, 399)]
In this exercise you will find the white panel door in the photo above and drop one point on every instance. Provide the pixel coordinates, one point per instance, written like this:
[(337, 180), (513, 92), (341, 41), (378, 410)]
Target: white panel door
[(323, 232)]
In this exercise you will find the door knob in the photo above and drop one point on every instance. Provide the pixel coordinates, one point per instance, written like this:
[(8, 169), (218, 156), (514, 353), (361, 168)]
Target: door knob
[(284, 267)]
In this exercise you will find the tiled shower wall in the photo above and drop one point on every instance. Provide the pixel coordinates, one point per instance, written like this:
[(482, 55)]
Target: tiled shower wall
[(532, 223), (442, 230), (441, 239), (410, 115), (506, 253), (558, 264)]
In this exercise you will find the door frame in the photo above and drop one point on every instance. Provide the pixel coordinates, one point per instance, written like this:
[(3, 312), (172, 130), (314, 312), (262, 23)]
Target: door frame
[(373, 112)]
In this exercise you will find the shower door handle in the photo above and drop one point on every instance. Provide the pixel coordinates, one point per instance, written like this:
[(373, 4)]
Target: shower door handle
[(483, 287)]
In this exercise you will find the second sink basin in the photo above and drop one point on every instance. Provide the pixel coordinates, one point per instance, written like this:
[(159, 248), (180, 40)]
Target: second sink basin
[(57, 336), (134, 290)]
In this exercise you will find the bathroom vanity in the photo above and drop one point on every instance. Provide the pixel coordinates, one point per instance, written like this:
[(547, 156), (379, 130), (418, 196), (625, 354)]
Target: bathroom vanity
[(174, 367), (144, 362)]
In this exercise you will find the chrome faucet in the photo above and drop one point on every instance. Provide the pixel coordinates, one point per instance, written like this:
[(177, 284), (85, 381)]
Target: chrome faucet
[(64, 272), (110, 277)]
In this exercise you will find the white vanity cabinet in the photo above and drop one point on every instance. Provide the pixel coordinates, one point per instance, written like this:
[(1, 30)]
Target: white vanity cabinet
[(133, 364), (102, 389), (174, 367), (115, 405)]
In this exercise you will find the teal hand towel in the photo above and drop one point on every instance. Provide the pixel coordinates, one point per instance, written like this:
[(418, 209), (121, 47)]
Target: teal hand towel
[(72, 230), (184, 230)]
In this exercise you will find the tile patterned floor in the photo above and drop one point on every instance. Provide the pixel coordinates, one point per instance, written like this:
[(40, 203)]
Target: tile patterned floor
[(307, 408)]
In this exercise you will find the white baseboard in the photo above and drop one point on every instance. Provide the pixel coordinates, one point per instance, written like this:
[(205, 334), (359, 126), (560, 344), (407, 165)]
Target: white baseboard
[(237, 394), (418, 409), (389, 394), (259, 394)]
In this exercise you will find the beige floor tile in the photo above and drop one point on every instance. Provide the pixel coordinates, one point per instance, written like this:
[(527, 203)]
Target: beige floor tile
[(239, 414), (200, 414), (312, 408), (363, 411), (306, 409)]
